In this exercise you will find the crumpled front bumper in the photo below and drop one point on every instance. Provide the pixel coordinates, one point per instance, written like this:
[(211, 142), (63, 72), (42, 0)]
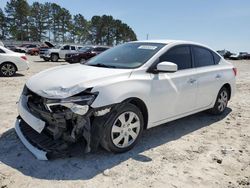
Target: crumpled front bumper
[(39, 154), (29, 129)]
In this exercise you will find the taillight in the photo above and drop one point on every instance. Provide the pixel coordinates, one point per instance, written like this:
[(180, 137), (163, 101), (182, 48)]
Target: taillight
[(235, 71), (24, 57)]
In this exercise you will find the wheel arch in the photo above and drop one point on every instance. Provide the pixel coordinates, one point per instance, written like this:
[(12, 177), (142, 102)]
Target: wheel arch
[(228, 87), (142, 106)]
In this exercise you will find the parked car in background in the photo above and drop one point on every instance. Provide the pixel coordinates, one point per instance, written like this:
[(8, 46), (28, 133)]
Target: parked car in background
[(33, 50), (239, 56), (44, 48), (11, 47), (11, 62), (21, 48), (59, 52), (113, 97), (85, 53), (225, 53)]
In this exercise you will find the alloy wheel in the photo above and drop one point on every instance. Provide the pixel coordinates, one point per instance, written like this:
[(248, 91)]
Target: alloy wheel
[(125, 129), (8, 69), (222, 100)]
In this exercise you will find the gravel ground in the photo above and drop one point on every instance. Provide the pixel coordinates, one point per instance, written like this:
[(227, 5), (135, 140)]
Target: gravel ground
[(197, 151)]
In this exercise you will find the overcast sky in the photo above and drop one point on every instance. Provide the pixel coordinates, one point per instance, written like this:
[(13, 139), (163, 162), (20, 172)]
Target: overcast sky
[(219, 24)]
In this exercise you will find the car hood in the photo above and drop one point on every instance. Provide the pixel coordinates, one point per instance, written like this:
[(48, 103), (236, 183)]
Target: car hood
[(49, 44), (68, 80)]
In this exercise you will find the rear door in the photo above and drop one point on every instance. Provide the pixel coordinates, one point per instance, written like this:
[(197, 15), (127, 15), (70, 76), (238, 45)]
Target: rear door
[(209, 75)]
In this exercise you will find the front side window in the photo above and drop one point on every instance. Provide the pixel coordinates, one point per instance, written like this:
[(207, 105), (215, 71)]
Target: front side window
[(66, 47), (129, 55), (73, 48), (179, 55), (2, 52), (202, 57)]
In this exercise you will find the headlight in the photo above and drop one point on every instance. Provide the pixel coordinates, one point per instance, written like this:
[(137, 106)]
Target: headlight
[(77, 104)]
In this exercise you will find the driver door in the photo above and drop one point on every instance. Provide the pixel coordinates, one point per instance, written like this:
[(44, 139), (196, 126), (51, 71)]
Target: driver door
[(64, 50), (174, 94)]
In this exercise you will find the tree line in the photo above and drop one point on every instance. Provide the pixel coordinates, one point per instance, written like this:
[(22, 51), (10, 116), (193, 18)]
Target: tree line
[(50, 21)]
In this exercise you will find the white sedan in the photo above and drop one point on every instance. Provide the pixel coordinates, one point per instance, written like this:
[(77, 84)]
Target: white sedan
[(113, 97), (10, 62)]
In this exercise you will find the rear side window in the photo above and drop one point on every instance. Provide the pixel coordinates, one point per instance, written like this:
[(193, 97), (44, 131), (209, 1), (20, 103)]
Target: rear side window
[(2, 52), (179, 55), (216, 58), (202, 57)]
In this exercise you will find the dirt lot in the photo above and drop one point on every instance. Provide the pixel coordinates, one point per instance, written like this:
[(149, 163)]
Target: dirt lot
[(196, 151)]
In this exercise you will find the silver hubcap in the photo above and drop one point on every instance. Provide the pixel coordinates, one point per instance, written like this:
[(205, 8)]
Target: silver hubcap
[(8, 69), (223, 99), (125, 129)]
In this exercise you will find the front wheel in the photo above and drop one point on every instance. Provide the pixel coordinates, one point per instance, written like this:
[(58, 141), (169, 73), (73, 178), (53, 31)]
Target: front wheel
[(54, 57), (124, 130), (221, 101), (8, 69)]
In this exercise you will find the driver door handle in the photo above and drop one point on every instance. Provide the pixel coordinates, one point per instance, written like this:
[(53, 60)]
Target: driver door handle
[(191, 80), (218, 76)]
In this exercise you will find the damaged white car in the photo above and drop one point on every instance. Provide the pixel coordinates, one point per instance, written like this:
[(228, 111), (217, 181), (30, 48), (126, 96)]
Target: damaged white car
[(112, 98)]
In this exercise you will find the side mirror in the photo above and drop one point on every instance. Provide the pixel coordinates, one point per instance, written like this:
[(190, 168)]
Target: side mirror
[(167, 67)]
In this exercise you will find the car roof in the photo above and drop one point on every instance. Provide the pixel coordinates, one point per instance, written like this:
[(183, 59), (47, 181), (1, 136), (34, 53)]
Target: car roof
[(172, 42)]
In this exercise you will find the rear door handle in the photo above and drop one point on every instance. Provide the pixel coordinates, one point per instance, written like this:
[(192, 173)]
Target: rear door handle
[(191, 81)]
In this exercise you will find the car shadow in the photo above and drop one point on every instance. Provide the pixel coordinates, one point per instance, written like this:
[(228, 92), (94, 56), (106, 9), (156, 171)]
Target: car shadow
[(87, 166), (15, 75)]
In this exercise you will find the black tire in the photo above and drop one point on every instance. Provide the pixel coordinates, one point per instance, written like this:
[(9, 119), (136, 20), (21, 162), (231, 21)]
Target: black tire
[(221, 102), (54, 57), (46, 59), (82, 61), (7, 69), (109, 137)]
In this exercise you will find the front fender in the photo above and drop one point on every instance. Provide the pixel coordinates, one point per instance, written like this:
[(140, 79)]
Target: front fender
[(118, 92)]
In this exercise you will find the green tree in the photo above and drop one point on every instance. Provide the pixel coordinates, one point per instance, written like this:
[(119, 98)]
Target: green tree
[(79, 29), (17, 16), (38, 20), (64, 23), (3, 25)]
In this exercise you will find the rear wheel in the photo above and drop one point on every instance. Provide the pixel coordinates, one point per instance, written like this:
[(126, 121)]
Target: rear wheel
[(54, 57), (82, 61), (124, 130), (8, 69), (221, 101)]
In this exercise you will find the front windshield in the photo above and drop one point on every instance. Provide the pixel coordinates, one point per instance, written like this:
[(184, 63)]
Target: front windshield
[(129, 55)]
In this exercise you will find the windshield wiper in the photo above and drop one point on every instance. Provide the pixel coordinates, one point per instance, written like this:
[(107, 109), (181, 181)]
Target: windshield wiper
[(103, 65)]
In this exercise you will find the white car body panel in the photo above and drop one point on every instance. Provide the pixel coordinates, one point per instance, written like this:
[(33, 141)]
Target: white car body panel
[(15, 58)]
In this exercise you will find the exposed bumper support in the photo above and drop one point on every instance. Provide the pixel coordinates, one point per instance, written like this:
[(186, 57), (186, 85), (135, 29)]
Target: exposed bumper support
[(41, 155)]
